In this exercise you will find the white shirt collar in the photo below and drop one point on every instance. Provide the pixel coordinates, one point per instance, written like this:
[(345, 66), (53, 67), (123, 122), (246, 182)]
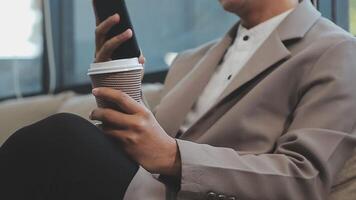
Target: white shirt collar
[(264, 28)]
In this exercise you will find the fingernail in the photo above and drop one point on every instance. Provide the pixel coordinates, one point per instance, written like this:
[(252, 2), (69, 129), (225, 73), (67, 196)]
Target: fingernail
[(116, 17), (95, 91), (129, 32)]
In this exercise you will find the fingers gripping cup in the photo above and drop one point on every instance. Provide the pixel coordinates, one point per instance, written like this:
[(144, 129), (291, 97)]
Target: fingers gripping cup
[(124, 75)]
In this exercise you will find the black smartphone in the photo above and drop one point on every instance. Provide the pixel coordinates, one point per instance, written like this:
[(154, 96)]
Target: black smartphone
[(105, 9)]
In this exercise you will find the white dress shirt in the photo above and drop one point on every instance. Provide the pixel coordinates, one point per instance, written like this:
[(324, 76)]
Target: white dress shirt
[(244, 47)]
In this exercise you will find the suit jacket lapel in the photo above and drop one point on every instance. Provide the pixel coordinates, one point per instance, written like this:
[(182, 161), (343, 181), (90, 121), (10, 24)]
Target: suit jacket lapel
[(262, 60), (178, 102), (273, 51)]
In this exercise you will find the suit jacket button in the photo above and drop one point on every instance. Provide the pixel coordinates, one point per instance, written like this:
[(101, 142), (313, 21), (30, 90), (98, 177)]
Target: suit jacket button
[(211, 196), (221, 197)]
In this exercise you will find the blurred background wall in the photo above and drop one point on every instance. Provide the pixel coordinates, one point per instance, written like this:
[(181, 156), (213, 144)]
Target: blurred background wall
[(163, 27)]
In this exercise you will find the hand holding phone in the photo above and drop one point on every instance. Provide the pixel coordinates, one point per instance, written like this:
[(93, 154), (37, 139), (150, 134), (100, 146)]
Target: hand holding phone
[(115, 38)]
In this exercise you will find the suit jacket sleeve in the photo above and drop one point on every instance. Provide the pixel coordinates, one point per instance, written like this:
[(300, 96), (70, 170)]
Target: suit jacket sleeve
[(307, 157)]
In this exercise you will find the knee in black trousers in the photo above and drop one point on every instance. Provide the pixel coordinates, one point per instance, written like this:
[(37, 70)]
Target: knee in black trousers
[(63, 157)]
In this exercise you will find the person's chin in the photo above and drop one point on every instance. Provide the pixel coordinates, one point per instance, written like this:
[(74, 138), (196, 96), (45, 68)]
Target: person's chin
[(230, 5)]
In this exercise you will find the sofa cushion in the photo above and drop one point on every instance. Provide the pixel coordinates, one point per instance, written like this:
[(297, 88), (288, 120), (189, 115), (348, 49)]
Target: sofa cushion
[(80, 105), (19, 113)]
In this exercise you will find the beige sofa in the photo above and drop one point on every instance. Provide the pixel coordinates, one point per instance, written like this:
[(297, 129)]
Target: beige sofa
[(15, 114)]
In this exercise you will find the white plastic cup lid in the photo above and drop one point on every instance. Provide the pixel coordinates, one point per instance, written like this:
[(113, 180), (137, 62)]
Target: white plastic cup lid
[(122, 65)]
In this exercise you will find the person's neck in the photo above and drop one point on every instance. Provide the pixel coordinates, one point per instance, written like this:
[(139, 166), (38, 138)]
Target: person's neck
[(257, 13)]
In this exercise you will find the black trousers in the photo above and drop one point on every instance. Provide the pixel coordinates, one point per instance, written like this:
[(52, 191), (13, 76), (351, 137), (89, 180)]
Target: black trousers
[(63, 157)]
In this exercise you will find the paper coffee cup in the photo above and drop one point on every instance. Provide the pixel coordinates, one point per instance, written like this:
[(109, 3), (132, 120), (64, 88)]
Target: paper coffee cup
[(124, 75)]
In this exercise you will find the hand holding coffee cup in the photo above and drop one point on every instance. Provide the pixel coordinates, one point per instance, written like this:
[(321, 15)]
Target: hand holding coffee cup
[(123, 74)]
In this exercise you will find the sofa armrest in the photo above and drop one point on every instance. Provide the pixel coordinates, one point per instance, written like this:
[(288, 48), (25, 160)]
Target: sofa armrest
[(15, 114)]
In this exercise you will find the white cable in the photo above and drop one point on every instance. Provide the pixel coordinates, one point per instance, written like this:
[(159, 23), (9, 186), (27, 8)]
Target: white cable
[(50, 46)]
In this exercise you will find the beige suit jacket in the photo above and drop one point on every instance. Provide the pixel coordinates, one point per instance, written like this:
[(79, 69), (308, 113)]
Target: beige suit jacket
[(281, 130)]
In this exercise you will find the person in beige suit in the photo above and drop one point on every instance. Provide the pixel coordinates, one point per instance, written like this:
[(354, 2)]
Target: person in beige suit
[(270, 120)]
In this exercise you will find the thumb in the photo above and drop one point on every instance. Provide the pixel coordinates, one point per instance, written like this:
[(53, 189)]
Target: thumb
[(142, 59)]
